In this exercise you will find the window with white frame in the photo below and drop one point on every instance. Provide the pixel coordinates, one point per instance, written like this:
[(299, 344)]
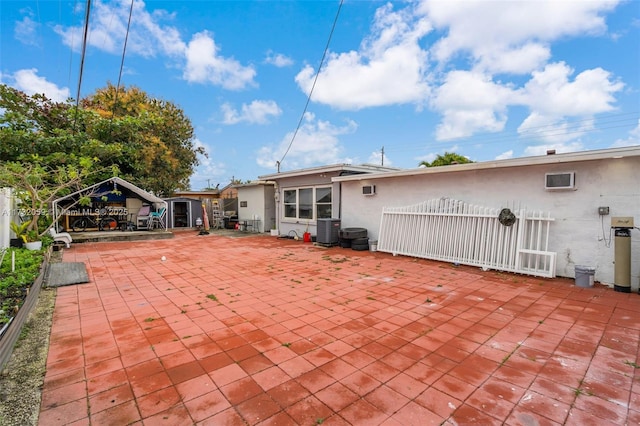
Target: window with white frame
[(307, 203), (323, 203)]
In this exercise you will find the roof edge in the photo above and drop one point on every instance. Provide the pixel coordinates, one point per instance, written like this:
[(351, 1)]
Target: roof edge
[(328, 169), (570, 157)]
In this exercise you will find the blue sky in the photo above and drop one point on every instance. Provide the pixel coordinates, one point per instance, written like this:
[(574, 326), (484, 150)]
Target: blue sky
[(486, 79)]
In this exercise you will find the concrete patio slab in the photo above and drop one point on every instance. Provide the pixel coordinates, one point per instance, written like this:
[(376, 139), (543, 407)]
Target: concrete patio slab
[(213, 330)]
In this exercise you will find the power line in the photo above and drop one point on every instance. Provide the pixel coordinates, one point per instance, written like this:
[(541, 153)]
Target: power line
[(124, 50), (304, 111), (84, 50)]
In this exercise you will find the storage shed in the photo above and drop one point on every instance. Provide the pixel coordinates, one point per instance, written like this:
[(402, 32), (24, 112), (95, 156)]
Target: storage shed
[(182, 212)]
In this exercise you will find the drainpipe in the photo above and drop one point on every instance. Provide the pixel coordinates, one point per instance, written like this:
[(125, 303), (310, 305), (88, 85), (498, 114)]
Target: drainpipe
[(276, 196)]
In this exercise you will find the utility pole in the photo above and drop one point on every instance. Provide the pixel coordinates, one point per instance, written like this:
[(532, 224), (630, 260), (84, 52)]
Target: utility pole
[(382, 156)]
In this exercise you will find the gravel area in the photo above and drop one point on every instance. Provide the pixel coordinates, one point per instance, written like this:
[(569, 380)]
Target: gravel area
[(22, 378)]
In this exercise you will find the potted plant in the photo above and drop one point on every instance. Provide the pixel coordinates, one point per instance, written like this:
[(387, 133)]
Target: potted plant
[(20, 230), (32, 240), (30, 237)]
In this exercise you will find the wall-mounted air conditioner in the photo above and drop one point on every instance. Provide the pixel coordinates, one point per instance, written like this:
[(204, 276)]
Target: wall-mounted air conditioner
[(558, 181), (369, 190)]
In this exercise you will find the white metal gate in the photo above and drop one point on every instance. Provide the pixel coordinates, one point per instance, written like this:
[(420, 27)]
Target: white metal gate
[(454, 231)]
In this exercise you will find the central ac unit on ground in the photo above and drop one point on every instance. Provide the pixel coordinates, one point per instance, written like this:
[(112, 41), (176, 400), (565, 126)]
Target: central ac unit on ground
[(327, 231)]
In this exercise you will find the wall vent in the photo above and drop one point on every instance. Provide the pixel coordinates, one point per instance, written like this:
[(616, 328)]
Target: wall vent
[(558, 181), (369, 190)]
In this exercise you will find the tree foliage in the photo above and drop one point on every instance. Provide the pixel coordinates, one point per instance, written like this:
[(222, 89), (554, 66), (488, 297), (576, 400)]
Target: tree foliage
[(149, 140), (38, 185), (446, 159)]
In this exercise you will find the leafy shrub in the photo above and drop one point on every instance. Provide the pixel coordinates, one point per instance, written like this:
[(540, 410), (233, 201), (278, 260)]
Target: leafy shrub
[(14, 285)]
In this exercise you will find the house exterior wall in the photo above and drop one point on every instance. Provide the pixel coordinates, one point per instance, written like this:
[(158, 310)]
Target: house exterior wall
[(256, 202), (579, 235), (287, 226)]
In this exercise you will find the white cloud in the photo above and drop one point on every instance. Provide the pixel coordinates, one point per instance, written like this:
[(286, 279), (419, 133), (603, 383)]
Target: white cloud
[(469, 102), (204, 65), (517, 33), (278, 59), (558, 147), (553, 98), (25, 30), (390, 67), (633, 139), (257, 112), (208, 172), (552, 129), (550, 92), (505, 155), (28, 81), (150, 37), (108, 27), (376, 158), (316, 143)]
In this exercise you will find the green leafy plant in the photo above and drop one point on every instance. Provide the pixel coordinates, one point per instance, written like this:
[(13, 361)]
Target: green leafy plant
[(20, 229), (14, 285), (31, 236)]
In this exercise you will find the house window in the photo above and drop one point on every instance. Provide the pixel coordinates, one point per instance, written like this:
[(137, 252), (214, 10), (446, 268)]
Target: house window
[(307, 203), (323, 203), (290, 203)]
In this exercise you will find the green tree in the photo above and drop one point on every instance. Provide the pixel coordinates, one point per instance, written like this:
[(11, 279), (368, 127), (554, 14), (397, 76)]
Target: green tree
[(37, 185), (154, 138), (446, 159), (150, 141)]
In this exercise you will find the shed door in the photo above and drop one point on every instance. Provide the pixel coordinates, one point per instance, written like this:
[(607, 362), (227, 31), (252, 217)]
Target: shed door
[(181, 214)]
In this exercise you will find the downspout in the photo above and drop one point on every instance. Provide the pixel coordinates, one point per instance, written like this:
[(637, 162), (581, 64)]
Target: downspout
[(276, 196), (340, 201)]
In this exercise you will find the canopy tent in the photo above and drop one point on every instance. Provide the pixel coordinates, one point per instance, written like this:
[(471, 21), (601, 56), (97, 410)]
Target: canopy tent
[(113, 189)]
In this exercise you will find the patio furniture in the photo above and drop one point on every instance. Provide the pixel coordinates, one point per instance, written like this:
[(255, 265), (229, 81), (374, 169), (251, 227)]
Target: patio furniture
[(61, 237), (157, 218), (143, 220)]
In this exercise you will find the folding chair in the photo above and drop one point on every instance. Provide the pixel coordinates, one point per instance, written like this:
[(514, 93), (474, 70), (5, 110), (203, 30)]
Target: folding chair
[(157, 218)]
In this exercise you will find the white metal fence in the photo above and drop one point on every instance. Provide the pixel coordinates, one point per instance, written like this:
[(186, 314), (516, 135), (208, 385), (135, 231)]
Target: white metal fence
[(454, 231)]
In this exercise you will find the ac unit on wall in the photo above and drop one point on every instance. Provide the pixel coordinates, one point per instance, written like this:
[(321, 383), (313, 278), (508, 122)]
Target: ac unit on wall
[(369, 190), (557, 181)]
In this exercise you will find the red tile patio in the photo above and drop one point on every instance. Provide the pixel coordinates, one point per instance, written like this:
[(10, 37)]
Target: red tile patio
[(264, 331)]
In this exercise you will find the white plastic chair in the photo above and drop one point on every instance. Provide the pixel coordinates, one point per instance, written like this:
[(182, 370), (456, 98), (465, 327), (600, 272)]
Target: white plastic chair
[(62, 237)]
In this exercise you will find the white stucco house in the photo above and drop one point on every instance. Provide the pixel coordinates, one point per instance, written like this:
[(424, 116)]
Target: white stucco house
[(306, 195), (581, 191)]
